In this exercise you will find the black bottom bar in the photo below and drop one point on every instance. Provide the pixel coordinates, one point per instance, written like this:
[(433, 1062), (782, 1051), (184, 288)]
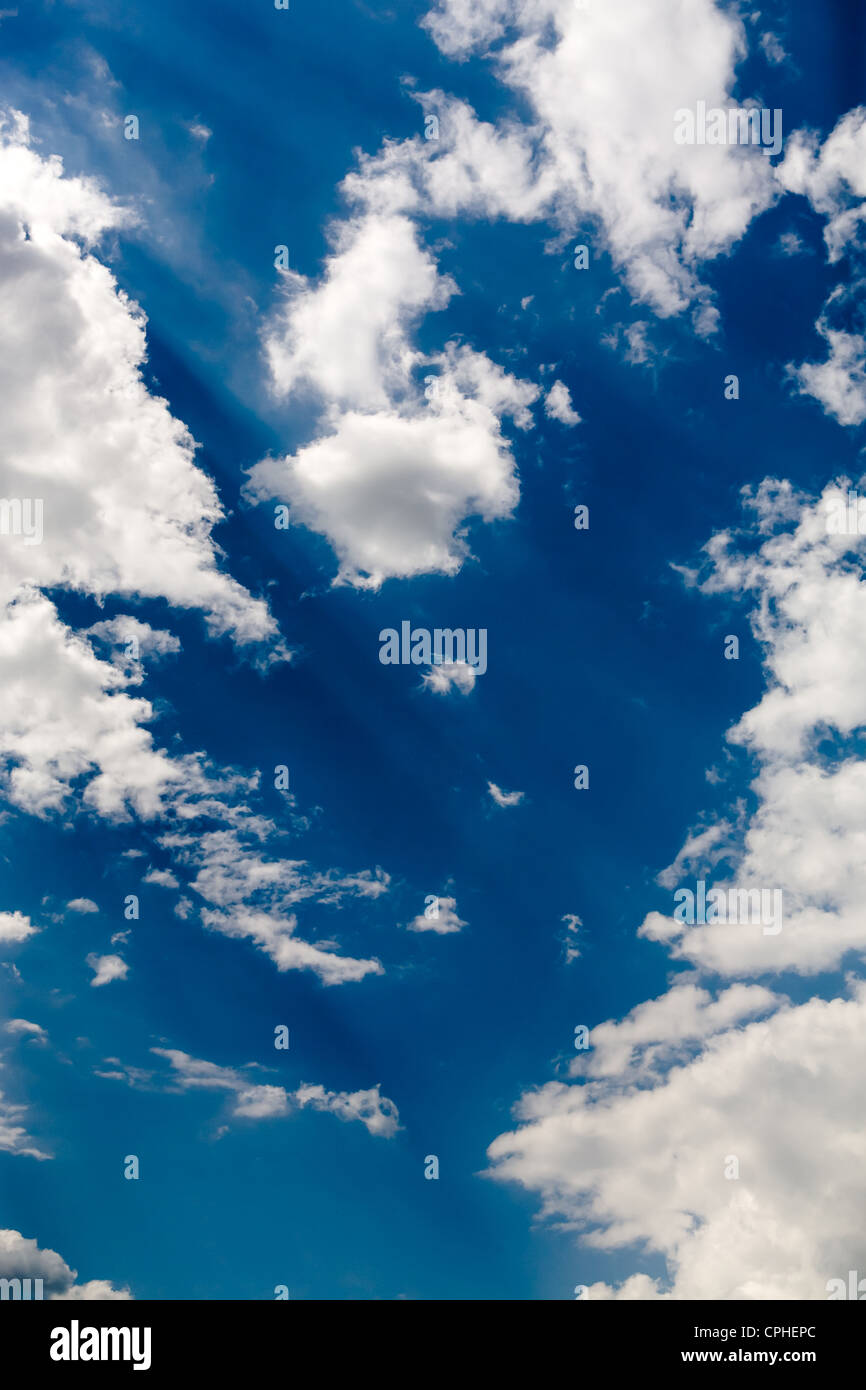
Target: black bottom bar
[(167, 1339)]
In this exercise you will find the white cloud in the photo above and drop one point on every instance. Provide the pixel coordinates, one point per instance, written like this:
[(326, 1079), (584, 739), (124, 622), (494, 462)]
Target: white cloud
[(805, 835), (442, 918), (409, 447), (557, 404), (458, 26), (636, 1288), (702, 851), (21, 1258), (832, 175), (790, 244), (255, 1102), (64, 716), (20, 1027), (389, 491), (446, 676), (122, 631), (347, 338), (773, 48), (647, 1167), (839, 382), (79, 432), (391, 485), (94, 1291), (603, 84), (14, 1138), (378, 1114), (392, 476), (259, 1101), (573, 924), (504, 798), (106, 969), (475, 169), (83, 905), (655, 1033), (15, 927), (250, 895), (274, 933), (640, 1148), (163, 878)]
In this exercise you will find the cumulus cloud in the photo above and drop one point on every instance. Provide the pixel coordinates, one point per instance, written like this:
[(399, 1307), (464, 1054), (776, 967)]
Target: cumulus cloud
[(790, 244), (21, 1258), (409, 446), (654, 1033), (274, 933), (773, 48), (76, 723), (21, 1028), (376, 1112), (504, 798), (79, 431), (573, 925), (163, 878), (15, 927), (631, 339), (137, 638), (647, 1166), (398, 467), (106, 969), (446, 676), (693, 1127), (347, 338), (805, 836), (832, 176), (839, 382), (254, 1100), (14, 1138), (440, 916), (603, 84), (394, 473), (557, 404), (703, 849), (249, 894)]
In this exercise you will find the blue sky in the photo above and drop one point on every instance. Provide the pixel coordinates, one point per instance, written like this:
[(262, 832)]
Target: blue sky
[(605, 648)]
